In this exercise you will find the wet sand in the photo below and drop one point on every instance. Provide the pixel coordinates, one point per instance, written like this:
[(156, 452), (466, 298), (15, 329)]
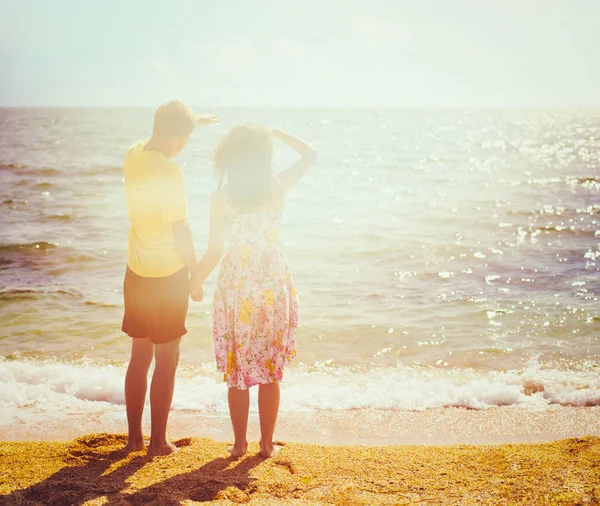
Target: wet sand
[(93, 470), (504, 424)]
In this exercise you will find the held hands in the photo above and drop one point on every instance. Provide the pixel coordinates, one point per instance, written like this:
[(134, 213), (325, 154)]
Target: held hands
[(196, 289), (207, 119)]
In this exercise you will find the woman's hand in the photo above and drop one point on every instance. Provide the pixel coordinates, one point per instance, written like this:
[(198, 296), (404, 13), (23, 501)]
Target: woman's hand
[(308, 156), (207, 119)]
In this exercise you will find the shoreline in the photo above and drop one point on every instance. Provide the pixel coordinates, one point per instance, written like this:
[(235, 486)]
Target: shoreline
[(93, 470), (438, 426)]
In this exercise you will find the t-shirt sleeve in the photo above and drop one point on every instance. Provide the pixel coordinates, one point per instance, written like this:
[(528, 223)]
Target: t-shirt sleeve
[(173, 202)]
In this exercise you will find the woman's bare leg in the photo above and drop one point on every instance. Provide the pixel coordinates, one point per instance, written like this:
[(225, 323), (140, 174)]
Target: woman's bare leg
[(268, 408), (239, 405)]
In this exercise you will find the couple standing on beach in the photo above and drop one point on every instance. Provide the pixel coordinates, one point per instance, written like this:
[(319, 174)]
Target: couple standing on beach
[(255, 305)]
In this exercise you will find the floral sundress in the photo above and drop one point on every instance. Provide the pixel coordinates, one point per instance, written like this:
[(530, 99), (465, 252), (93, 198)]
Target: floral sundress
[(255, 306)]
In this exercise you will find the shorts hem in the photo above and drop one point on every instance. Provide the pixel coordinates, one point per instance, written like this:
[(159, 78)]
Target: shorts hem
[(155, 340)]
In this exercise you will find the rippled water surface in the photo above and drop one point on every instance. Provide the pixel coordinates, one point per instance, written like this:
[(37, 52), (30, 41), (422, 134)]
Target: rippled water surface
[(434, 250)]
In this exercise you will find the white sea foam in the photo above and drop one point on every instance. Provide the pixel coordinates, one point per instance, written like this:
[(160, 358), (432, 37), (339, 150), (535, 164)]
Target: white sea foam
[(56, 387)]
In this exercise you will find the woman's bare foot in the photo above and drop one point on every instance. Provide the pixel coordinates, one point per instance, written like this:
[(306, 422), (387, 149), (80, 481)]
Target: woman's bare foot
[(162, 449), (134, 445), (237, 450), (268, 449)]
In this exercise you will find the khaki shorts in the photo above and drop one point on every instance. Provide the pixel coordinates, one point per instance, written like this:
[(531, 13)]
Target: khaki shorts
[(156, 307)]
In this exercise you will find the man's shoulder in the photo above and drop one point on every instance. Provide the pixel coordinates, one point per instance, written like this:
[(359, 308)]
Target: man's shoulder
[(135, 149), (137, 159), (133, 158)]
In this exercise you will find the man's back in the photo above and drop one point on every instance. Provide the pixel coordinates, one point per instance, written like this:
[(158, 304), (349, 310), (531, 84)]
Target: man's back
[(155, 194)]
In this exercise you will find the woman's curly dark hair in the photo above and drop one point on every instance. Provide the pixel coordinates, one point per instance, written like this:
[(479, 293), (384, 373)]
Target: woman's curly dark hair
[(242, 163)]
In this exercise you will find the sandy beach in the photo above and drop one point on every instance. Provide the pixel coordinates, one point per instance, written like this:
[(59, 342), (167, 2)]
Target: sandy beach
[(92, 470)]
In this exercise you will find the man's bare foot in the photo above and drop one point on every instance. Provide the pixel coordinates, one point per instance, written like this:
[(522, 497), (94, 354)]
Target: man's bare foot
[(134, 445), (268, 449), (162, 449), (238, 450)]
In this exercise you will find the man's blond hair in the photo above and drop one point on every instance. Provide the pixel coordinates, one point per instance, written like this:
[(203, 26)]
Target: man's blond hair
[(174, 119)]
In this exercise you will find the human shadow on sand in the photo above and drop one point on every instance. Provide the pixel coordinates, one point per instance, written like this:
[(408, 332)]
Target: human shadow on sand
[(88, 476), (222, 478)]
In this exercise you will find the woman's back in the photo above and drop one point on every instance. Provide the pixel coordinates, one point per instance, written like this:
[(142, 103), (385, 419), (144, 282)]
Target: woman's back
[(253, 253), (258, 230)]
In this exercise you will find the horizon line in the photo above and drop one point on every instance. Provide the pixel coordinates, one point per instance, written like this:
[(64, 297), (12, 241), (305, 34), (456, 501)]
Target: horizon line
[(258, 106)]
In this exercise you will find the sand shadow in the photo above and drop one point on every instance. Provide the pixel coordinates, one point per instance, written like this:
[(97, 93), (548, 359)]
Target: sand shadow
[(218, 479), (92, 472), (87, 478)]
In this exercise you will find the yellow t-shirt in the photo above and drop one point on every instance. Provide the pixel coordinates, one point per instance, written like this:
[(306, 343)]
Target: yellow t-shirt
[(155, 193)]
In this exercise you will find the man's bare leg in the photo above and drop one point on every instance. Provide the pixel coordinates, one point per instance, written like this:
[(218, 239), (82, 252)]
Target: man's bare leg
[(136, 384), (161, 395)]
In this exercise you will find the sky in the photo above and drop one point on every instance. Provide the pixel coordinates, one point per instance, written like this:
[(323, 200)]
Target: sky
[(426, 53)]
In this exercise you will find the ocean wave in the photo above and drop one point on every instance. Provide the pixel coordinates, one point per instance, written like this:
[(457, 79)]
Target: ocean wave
[(105, 170), (58, 217), (562, 211), (58, 385), (22, 168), (13, 203), (5, 262), (43, 171), (588, 182), (12, 166), (32, 246), (43, 186), (563, 229), (15, 294), (99, 304), (54, 259)]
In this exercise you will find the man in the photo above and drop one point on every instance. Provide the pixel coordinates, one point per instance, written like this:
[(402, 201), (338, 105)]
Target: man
[(160, 255)]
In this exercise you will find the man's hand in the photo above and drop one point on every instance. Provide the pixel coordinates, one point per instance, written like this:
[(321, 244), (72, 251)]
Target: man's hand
[(196, 289), (207, 119)]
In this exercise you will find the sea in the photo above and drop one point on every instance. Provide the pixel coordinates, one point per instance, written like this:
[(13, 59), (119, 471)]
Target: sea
[(446, 259)]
